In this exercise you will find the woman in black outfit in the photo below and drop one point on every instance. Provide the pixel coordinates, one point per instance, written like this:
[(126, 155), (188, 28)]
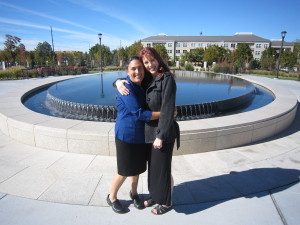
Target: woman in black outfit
[(159, 134), (129, 136)]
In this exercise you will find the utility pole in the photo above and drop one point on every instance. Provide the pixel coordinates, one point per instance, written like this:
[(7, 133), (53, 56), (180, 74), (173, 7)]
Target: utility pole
[(52, 45)]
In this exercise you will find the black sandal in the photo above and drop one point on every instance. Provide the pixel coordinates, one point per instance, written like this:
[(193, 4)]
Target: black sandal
[(160, 209), (150, 202)]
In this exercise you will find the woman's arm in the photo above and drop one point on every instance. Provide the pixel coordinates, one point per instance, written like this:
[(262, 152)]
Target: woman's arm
[(120, 84), (168, 96)]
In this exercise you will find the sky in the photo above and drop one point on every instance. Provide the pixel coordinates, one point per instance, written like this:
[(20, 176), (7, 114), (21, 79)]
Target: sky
[(76, 23)]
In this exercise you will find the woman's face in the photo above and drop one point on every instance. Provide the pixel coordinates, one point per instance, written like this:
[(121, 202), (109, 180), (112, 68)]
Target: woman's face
[(136, 71), (151, 64)]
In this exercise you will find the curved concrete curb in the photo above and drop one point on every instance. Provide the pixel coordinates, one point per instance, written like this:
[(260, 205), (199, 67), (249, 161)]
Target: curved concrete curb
[(88, 137)]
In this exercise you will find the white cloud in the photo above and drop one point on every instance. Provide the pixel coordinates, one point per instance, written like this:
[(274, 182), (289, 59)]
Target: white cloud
[(109, 40), (95, 7), (55, 18)]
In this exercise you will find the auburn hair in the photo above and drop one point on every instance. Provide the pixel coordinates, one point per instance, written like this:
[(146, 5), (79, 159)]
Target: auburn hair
[(152, 53)]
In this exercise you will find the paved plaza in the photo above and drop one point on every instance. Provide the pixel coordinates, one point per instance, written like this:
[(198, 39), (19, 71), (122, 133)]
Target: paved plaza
[(254, 184)]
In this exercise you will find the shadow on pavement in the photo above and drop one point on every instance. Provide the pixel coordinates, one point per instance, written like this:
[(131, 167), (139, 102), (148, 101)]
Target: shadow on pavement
[(215, 190)]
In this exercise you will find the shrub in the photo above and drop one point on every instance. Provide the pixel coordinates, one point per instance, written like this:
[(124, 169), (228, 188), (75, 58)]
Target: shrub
[(189, 67), (225, 68), (11, 73)]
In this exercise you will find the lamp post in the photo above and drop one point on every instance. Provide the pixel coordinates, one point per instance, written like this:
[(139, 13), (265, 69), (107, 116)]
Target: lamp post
[(283, 33), (100, 35)]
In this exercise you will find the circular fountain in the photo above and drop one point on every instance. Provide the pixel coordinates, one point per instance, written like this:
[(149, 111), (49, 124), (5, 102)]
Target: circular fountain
[(93, 98), (32, 125)]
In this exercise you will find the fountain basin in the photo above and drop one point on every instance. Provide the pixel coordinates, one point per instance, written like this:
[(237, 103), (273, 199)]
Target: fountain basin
[(199, 95)]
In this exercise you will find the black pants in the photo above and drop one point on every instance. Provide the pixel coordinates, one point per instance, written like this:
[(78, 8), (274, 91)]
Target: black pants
[(159, 173)]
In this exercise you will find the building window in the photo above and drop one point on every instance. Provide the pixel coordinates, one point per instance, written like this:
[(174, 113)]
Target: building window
[(232, 45), (184, 44), (193, 44), (177, 51), (184, 51), (178, 44), (208, 45), (257, 52), (258, 45), (266, 46), (148, 45), (199, 44), (257, 59), (169, 51), (225, 45), (170, 45)]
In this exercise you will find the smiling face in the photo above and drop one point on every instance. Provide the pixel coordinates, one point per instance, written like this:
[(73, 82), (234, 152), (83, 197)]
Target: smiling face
[(135, 71), (151, 64)]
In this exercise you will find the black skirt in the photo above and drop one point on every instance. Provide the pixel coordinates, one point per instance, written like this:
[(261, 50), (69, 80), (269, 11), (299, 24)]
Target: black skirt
[(131, 158)]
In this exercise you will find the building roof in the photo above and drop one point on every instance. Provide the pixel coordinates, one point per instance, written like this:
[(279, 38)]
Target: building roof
[(234, 38), (277, 43)]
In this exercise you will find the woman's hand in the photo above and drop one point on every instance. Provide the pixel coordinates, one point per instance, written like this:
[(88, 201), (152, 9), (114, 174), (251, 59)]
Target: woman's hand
[(157, 144), (121, 87)]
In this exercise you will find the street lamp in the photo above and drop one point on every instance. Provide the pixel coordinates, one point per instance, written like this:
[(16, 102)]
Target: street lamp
[(100, 35), (283, 33)]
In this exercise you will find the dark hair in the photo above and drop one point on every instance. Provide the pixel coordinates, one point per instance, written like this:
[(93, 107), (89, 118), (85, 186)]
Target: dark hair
[(135, 57), (148, 51)]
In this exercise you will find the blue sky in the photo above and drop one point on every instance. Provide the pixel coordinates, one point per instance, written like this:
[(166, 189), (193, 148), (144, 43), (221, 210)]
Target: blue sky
[(76, 23)]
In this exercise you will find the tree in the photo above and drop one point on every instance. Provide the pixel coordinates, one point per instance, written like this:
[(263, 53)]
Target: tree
[(21, 57), (31, 59), (105, 53), (162, 51), (243, 56), (43, 53), (11, 47), (269, 58), (288, 59), (134, 49), (194, 56), (214, 53)]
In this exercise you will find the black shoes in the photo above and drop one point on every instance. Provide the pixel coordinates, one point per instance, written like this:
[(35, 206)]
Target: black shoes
[(137, 202), (116, 205)]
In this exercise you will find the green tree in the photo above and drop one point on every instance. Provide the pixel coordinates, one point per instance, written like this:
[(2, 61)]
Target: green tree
[(214, 53), (11, 47), (197, 55), (31, 59), (288, 59), (194, 56), (162, 51), (43, 53), (134, 49), (243, 56), (269, 58), (105, 53)]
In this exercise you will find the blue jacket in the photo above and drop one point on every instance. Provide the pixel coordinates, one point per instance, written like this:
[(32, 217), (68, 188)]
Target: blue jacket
[(131, 117)]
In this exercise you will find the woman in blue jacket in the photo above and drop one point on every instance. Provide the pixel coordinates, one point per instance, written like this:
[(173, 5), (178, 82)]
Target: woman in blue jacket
[(130, 136), (160, 133)]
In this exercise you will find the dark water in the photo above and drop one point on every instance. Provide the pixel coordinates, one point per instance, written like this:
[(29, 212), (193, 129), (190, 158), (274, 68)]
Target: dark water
[(191, 89)]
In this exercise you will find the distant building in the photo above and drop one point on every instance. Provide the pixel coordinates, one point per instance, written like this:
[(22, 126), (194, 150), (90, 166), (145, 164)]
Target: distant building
[(177, 45)]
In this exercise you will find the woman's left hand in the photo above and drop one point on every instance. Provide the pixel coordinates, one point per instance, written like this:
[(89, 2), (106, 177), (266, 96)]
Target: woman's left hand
[(157, 144)]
